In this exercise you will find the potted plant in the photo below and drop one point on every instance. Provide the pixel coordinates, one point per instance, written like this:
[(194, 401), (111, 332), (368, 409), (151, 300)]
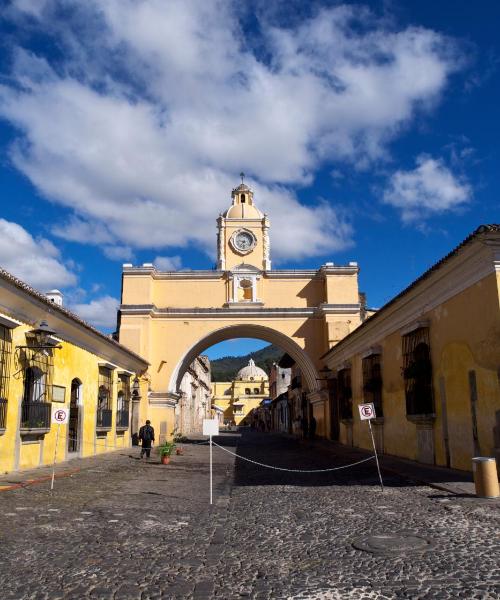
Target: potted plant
[(165, 451)]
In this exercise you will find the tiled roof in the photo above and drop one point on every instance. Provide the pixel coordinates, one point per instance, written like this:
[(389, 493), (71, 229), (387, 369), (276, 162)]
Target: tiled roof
[(492, 228), (27, 289)]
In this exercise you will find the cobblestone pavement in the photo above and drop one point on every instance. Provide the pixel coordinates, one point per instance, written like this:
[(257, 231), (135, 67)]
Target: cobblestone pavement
[(126, 529)]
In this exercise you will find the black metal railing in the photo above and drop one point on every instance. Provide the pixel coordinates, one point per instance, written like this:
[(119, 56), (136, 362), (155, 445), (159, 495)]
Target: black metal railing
[(122, 418), (35, 415), (3, 412), (104, 416)]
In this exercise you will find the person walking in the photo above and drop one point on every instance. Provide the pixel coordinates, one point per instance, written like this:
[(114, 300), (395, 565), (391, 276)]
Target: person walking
[(147, 437)]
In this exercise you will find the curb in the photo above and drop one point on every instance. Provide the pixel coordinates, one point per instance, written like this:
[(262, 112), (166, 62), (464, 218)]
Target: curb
[(28, 482)]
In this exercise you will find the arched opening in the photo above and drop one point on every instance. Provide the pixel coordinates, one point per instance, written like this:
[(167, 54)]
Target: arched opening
[(251, 401), (74, 416), (288, 345)]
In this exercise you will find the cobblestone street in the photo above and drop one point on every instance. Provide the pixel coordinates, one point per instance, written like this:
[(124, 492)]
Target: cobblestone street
[(123, 528)]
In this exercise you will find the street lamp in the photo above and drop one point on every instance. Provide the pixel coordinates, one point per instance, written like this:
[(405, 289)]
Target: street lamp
[(135, 386), (41, 336)]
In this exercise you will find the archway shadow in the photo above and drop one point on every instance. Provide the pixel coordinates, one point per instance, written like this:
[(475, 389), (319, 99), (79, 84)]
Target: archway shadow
[(290, 453)]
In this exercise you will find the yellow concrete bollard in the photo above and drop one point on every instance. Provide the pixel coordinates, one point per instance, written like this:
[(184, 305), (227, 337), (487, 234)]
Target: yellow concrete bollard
[(484, 469)]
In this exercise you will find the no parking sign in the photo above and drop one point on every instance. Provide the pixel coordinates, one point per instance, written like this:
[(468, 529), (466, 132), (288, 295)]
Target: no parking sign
[(60, 415), (367, 411)]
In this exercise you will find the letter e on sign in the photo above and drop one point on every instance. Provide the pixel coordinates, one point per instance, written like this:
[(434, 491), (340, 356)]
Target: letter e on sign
[(60, 415), (367, 411)]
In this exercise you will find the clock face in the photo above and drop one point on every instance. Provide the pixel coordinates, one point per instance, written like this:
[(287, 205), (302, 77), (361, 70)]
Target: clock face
[(244, 241)]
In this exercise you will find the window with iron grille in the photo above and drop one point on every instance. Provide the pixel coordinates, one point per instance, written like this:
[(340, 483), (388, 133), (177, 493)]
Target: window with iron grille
[(344, 391), (417, 372), (123, 400), (5, 358), (37, 368), (104, 398), (372, 382)]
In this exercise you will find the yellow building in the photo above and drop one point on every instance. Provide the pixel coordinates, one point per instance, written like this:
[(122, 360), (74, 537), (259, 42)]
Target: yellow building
[(429, 360), (50, 358), (240, 397), (172, 317)]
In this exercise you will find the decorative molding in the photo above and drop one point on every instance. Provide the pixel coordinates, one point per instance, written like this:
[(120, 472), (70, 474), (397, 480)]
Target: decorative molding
[(163, 399), (152, 272), (230, 309), (420, 324), (338, 309), (244, 305), (372, 350), (108, 365)]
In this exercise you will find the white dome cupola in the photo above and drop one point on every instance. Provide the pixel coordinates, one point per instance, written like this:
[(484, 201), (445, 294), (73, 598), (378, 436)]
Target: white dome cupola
[(252, 372)]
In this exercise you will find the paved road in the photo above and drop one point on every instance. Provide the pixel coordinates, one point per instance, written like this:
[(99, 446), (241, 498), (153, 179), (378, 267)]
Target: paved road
[(126, 529)]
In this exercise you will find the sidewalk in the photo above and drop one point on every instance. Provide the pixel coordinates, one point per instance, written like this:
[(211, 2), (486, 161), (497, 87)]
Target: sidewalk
[(453, 481), (18, 479)]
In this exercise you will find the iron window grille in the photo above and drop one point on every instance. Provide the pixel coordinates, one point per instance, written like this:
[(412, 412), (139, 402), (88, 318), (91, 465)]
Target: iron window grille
[(104, 412), (123, 402), (372, 382), (417, 372), (5, 359), (344, 391), (37, 368)]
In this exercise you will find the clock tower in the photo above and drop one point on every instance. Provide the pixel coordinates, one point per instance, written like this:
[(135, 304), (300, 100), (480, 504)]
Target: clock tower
[(243, 234)]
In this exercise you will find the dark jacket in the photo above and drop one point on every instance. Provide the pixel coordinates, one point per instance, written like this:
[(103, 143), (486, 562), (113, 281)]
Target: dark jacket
[(146, 435)]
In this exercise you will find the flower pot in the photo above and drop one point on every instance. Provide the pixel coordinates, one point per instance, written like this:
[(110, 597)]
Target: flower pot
[(179, 451), (165, 459)]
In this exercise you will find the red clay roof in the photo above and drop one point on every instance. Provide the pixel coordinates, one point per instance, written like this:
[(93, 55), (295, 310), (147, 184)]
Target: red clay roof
[(492, 228)]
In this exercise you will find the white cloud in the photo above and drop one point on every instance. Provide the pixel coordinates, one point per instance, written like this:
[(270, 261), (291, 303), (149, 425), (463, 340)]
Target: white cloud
[(168, 263), (158, 105), (118, 252), (100, 312), (430, 188), (35, 261)]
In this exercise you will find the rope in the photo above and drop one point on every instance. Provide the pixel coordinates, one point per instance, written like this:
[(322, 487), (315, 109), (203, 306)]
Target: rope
[(294, 470)]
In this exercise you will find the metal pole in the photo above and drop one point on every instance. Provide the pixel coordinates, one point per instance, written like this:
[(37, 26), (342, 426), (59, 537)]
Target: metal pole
[(211, 470), (376, 455), (55, 457)]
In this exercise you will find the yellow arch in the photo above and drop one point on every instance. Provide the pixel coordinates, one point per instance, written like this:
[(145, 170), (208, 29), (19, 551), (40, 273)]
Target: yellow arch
[(261, 332)]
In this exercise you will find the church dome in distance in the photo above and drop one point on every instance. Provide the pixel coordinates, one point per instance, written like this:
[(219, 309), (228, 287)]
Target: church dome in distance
[(252, 371)]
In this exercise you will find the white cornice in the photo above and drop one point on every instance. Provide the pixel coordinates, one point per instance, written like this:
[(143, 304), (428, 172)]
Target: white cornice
[(231, 310)]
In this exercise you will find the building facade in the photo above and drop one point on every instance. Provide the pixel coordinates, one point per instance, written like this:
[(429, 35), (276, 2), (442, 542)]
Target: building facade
[(50, 358), (196, 396), (239, 398), (430, 362), (304, 312)]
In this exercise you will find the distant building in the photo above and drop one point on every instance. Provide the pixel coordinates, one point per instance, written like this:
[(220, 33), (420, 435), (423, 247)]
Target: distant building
[(238, 398), (195, 402)]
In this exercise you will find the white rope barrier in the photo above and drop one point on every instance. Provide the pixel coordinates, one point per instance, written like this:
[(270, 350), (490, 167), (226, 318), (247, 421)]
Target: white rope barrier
[(294, 470), (255, 462)]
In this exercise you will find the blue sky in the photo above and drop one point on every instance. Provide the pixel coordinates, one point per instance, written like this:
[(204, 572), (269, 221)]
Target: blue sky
[(369, 132)]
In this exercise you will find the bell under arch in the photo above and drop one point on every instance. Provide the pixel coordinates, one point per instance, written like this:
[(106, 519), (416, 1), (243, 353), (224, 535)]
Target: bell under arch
[(261, 332)]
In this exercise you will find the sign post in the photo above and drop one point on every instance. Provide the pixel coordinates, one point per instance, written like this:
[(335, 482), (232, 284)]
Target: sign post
[(59, 416), (367, 413), (210, 428)]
